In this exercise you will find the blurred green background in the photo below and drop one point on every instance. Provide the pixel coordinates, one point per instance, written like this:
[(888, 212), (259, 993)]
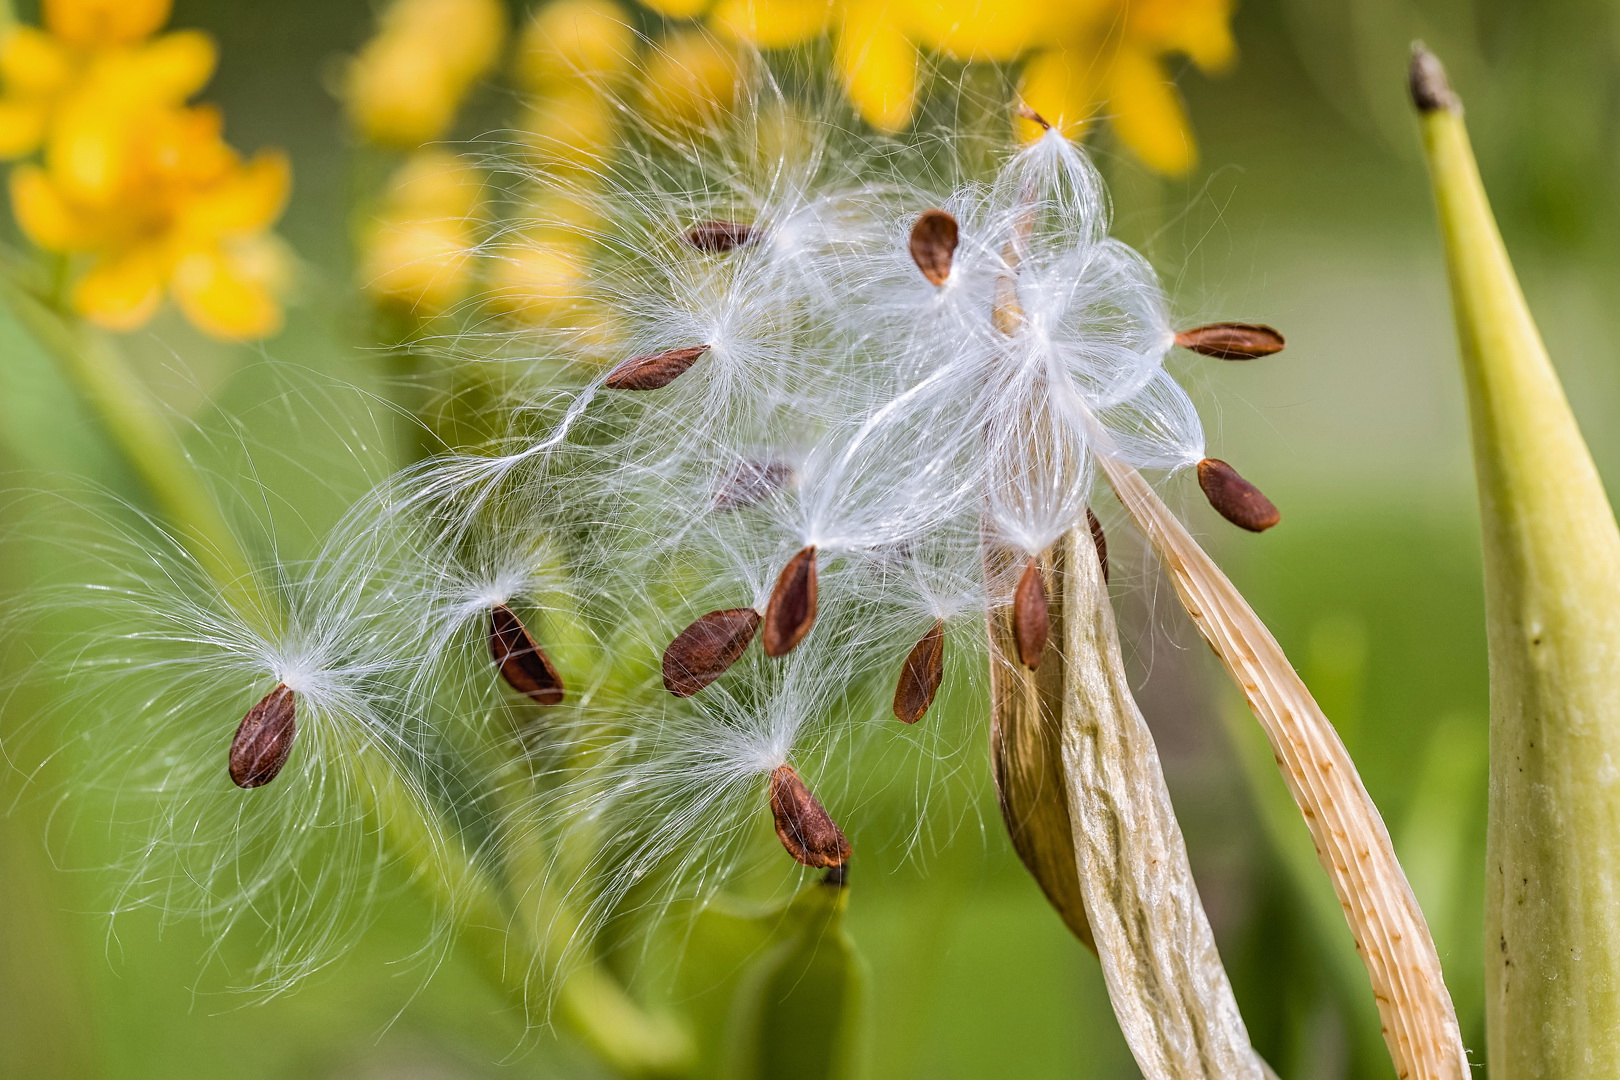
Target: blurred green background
[(1310, 211)]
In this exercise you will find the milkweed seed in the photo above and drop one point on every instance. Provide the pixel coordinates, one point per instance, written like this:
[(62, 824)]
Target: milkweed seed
[(1234, 498), (803, 825), (703, 651), (1232, 340), (654, 370), (720, 235), (1100, 540), (751, 482), (792, 609), (920, 676), (933, 245), (522, 663), (1032, 621), (264, 738)]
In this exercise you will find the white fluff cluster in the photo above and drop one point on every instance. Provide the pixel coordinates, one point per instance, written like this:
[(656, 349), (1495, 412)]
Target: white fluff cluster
[(911, 433)]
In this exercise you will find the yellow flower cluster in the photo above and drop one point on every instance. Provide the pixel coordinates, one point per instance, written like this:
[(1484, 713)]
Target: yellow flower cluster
[(405, 86), (131, 179), (1085, 58), (417, 252)]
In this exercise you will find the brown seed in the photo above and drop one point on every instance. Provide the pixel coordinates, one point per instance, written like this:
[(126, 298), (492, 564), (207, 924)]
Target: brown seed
[(720, 235), (1032, 622), (1234, 498), (1426, 79), (1099, 539), (751, 482), (1232, 340), (1033, 117), (655, 369), (802, 823), (263, 739), (933, 245), (920, 676), (703, 651), (523, 664), (792, 610)]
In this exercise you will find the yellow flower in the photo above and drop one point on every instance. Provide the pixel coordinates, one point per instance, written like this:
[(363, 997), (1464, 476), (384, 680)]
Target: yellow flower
[(137, 184), (574, 41), (405, 86), (418, 254)]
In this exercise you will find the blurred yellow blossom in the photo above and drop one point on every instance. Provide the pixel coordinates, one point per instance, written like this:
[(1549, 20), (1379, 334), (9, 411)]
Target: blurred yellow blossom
[(131, 179), (569, 40), (1085, 58), (404, 87), (418, 253)]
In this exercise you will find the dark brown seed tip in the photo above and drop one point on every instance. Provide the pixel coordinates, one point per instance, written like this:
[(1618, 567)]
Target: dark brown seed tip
[(1234, 498), (792, 610), (703, 651), (522, 663), (802, 823), (1032, 622), (263, 739), (719, 235), (655, 369), (1232, 340), (751, 482), (933, 245), (1033, 117), (1100, 540), (920, 676), (1426, 79)]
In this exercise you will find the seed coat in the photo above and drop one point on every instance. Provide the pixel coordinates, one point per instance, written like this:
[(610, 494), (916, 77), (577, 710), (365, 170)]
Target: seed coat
[(1234, 498), (720, 235), (522, 663), (654, 370), (1032, 620), (703, 651), (264, 738), (803, 825), (920, 676), (1232, 340), (792, 609), (933, 244)]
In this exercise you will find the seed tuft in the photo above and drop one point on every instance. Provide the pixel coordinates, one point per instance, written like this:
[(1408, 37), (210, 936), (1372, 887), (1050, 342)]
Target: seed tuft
[(1232, 340), (654, 370), (720, 235), (703, 651), (1234, 498), (792, 610), (803, 825), (1032, 621), (522, 663), (264, 738), (933, 244), (920, 676)]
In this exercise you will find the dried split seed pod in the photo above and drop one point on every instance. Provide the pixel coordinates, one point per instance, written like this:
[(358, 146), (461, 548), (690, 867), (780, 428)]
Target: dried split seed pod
[(802, 824), (920, 676), (654, 370), (1032, 621), (1232, 340), (933, 245), (522, 663), (1234, 498), (703, 651), (792, 610), (264, 738)]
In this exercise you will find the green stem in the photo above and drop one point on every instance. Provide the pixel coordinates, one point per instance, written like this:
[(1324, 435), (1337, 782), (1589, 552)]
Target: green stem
[(590, 1002), (1552, 606)]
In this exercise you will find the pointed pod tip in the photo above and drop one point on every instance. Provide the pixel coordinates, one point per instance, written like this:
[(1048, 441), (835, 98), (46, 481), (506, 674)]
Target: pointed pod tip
[(1234, 498), (803, 825), (1426, 81), (264, 738)]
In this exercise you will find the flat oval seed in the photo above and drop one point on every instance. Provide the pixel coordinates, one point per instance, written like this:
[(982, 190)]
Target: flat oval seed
[(1099, 540), (751, 482), (1031, 619), (792, 610), (1234, 498), (803, 825), (703, 651), (522, 663), (719, 235), (264, 738), (1232, 340), (933, 245), (920, 676), (653, 370)]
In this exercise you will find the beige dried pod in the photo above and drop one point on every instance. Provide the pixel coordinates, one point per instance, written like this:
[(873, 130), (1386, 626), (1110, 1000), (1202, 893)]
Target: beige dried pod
[(1419, 1022)]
